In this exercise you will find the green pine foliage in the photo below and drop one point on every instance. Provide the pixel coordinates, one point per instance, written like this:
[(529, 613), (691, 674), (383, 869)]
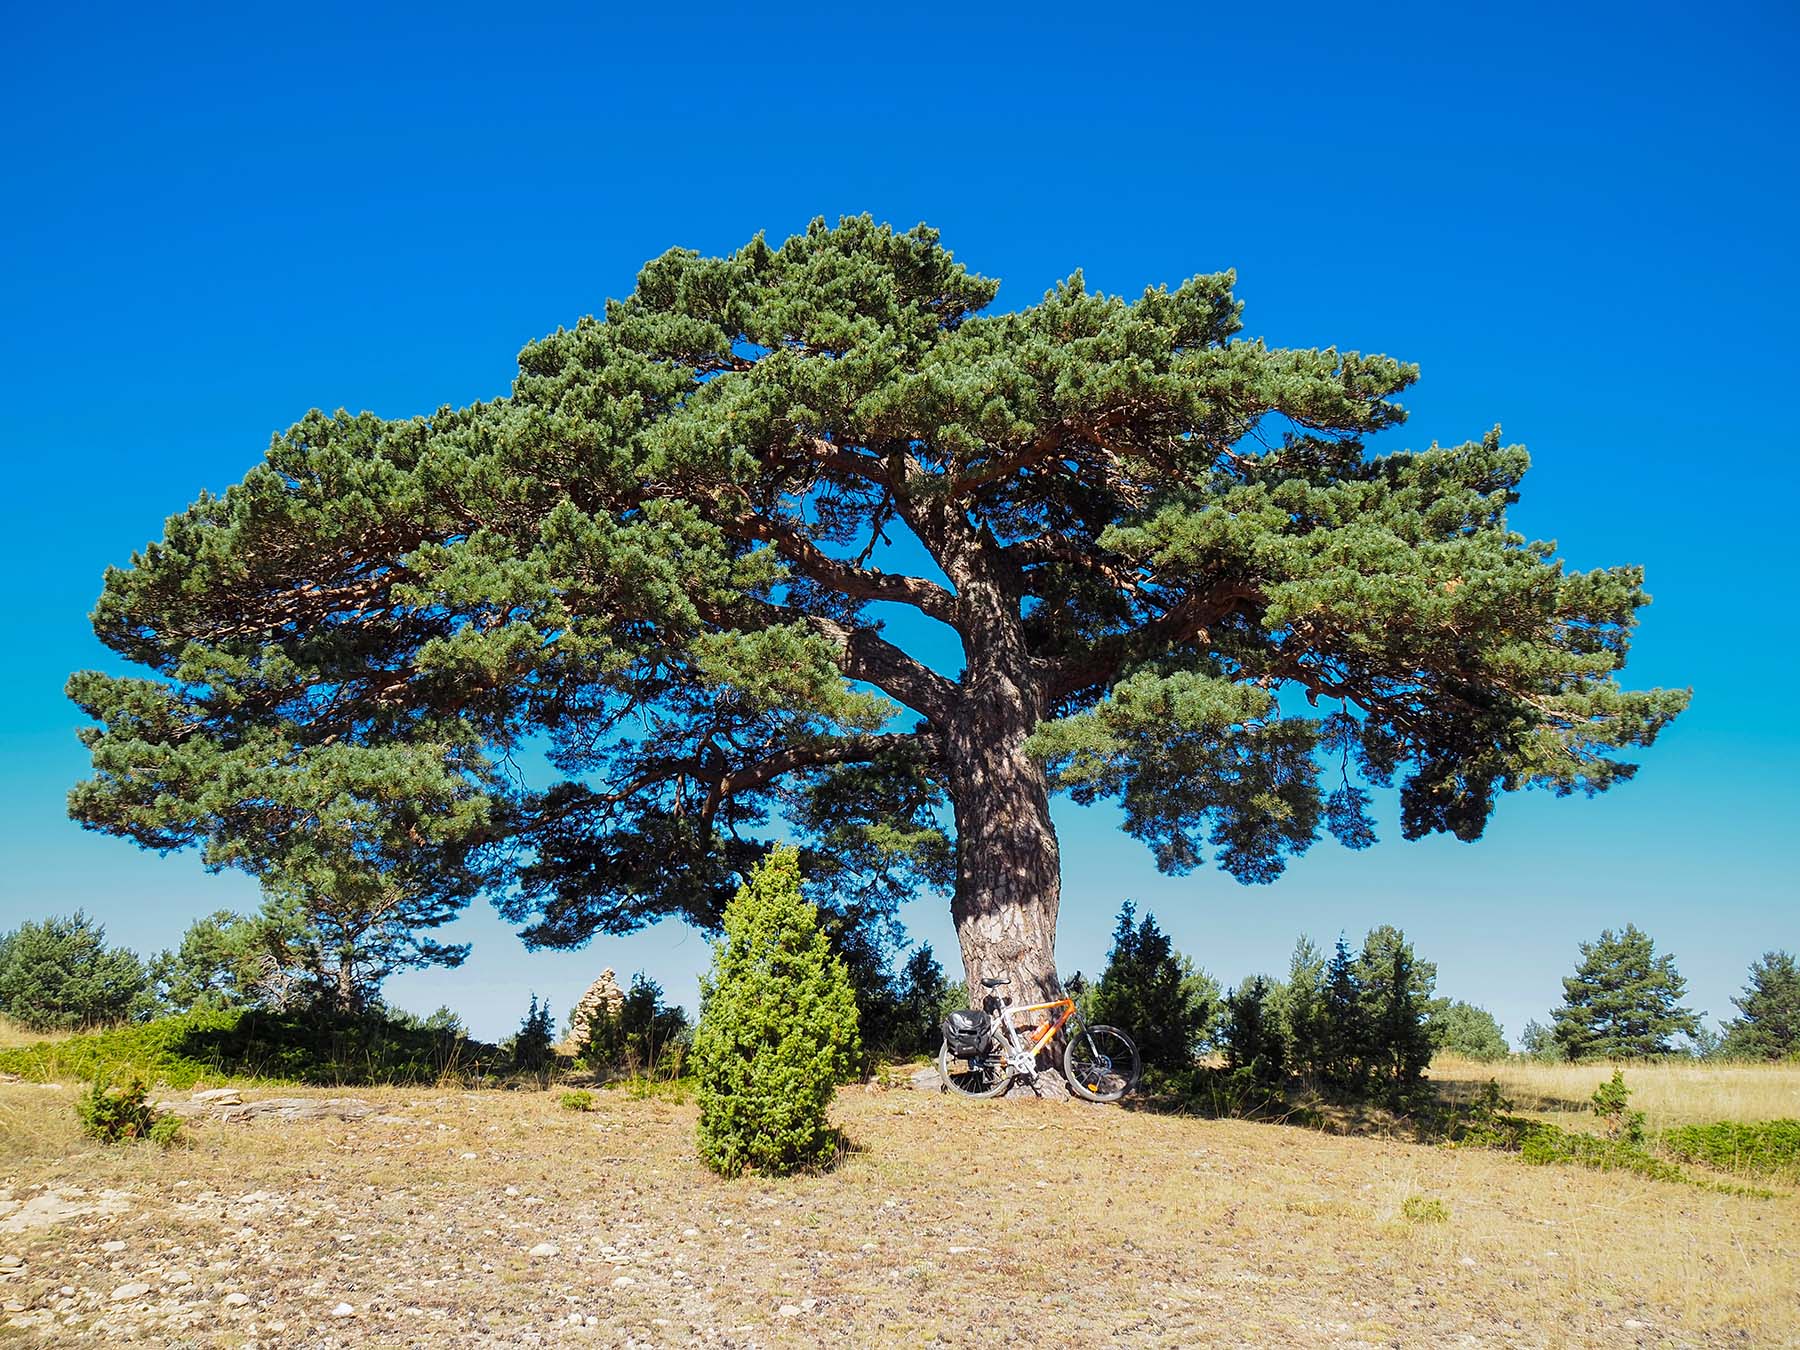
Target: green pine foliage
[(1346, 1052), (1538, 1041), (1252, 1035), (1768, 1022), (1395, 989), (1149, 989), (662, 555), (1300, 1005), (1463, 1029), (1623, 1001), (532, 1048), (59, 975), (777, 1030)]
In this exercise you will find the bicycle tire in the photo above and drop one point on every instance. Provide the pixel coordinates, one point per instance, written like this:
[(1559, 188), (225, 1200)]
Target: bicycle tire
[(1087, 1076), (964, 1084)]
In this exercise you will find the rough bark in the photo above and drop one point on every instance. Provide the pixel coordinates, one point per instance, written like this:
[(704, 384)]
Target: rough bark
[(1008, 871)]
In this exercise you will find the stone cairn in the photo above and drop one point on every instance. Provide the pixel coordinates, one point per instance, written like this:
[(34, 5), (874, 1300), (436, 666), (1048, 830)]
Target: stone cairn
[(603, 994)]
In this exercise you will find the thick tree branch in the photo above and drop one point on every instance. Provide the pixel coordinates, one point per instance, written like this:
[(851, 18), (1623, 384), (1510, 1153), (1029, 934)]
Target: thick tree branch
[(1185, 621), (858, 583)]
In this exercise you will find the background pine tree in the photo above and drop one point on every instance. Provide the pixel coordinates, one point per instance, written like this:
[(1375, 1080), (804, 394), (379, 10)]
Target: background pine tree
[(1623, 1001), (1768, 1022), (59, 975), (1154, 993)]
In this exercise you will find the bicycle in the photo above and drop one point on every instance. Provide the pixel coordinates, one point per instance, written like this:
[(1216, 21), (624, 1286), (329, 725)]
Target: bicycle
[(1100, 1063)]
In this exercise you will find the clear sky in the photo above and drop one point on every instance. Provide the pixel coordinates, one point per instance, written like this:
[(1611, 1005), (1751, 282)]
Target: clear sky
[(1582, 227)]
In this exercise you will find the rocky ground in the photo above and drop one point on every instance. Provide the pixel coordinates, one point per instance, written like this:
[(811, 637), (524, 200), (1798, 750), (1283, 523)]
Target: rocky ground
[(394, 1217)]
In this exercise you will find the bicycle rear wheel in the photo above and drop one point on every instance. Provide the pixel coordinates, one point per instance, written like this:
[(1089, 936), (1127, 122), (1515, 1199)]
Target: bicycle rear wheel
[(1100, 1063), (977, 1076)]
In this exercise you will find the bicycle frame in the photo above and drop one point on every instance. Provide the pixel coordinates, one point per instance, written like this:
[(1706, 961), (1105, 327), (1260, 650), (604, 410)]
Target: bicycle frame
[(1044, 1034)]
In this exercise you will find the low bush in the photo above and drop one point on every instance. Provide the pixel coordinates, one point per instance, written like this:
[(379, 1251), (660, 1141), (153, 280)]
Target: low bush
[(248, 1044), (119, 1115), (1424, 1209), (1768, 1148), (577, 1101)]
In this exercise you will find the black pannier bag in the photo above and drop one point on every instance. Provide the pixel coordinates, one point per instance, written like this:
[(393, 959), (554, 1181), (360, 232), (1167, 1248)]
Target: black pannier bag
[(967, 1032)]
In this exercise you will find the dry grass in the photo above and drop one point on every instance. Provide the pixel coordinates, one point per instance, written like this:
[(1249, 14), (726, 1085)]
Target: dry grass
[(1676, 1092), (13, 1035), (954, 1223)]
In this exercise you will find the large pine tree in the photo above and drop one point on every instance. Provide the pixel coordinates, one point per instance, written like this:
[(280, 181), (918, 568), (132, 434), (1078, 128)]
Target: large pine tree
[(1623, 1001), (671, 553)]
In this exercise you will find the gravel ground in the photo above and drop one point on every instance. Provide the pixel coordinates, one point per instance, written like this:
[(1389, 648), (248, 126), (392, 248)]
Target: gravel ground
[(451, 1218)]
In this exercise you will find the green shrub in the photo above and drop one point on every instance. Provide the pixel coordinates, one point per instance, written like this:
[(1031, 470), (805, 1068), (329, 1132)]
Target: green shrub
[(1254, 1043), (117, 1115), (246, 1044), (1609, 1102), (1424, 1209), (165, 1131), (1463, 1029), (645, 1035), (533, 1048), (778, 1030), (577, 1101), (1764, 1148)]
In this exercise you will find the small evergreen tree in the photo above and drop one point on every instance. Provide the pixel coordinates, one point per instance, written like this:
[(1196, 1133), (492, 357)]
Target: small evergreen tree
[(1149, 989), (60, 975), (1463, 1029), (1394, 989), (777, 1031), (1346, 1048), (532, 1050), (1300, 1004), (1623, 1001), (1539, 1042), (1252, 1033), (1768, 1022), (922, 1003)]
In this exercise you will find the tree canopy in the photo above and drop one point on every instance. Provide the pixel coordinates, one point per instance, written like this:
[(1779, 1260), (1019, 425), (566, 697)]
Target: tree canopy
[(1623, 1001), (668, 557)]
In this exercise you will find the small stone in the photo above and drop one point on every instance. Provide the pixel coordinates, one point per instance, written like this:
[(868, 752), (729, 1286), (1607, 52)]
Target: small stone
[(178, 1277), (690, 1232), (66, 1290), (545, 1249), (469, 1157), (114, 1246), (623, 1282), (870, 1247), (11, 1262), (219, 1097), (343, 1310), (136, 1289), (790, 1310), (236, 1300), (1468, 1261)]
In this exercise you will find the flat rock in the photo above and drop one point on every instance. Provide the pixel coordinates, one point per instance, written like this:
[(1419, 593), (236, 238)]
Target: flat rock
[(225, 1096), (125, 1292), (545, 1249), (299, 1108), (927, 1080)]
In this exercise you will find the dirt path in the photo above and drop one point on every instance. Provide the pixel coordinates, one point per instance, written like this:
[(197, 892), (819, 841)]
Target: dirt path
[(446, 1218)]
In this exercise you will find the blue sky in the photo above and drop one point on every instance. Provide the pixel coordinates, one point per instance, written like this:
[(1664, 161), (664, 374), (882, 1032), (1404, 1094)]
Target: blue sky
[(1582, 227)]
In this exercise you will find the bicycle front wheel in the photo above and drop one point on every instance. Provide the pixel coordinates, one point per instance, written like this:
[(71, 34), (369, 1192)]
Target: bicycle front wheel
[(972, 1076), (1100, 1063)]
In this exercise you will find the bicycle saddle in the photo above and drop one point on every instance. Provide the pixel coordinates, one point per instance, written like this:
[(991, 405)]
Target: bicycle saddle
[(995, 984)]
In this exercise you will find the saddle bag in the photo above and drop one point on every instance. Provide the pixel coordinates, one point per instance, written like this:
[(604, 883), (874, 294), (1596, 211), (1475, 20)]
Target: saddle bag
[(967, 1032)]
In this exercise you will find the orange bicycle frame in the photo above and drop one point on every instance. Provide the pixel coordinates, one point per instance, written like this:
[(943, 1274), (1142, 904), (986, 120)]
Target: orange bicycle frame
[(1051, 1026)]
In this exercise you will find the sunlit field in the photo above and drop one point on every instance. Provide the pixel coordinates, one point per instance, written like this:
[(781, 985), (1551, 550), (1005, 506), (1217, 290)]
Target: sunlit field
[(1670, 1092)]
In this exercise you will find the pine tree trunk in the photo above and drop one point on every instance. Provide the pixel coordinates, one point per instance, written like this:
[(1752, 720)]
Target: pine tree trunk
[(1008, 870)]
